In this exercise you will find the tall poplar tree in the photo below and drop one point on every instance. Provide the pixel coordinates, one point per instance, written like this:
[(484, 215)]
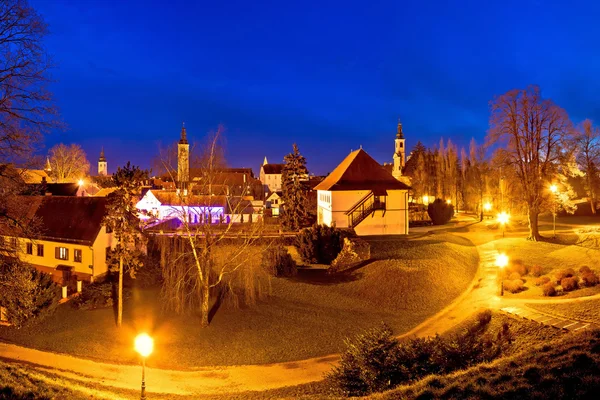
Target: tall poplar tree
[(294, 173), (122, 219)]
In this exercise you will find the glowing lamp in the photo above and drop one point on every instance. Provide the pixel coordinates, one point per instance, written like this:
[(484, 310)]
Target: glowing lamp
[(501, 260), (503, 218), (553, 189), (144, 344), (448, 201), (487, 206), (81, 182)]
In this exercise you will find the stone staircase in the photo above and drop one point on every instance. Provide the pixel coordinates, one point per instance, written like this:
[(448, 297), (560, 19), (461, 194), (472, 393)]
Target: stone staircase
[(557, 322)]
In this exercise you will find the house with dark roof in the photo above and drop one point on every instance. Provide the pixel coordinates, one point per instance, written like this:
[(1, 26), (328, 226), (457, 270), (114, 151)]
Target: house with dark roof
[(270, 176), (363, 195), (71, 243)]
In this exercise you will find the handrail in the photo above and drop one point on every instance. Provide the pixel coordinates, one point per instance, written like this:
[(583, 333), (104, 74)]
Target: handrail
[(359, 202)]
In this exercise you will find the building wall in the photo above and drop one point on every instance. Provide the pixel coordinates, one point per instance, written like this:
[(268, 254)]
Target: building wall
[(393, 221), (93, 258)]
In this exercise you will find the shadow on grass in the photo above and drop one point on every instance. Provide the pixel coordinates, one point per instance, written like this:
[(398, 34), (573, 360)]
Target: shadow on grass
[(321, 277)]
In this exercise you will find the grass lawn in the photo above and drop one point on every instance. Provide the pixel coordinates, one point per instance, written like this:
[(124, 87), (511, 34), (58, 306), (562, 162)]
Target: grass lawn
[(584, 310), (567, 251), (408, 281)]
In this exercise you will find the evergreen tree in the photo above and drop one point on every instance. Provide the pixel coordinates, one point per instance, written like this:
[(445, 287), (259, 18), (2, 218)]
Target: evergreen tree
[(295, 202), (122, 220)]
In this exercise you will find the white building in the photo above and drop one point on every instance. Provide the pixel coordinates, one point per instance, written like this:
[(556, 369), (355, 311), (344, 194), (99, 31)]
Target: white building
[(361, 194), (270, 176)]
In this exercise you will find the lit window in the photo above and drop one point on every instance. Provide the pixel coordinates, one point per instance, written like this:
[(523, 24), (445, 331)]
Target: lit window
[(29, 248), (77, 255), (61, 253), (40, 250)]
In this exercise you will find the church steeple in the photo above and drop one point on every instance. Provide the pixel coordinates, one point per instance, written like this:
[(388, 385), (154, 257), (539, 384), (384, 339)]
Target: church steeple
[(399, 152), (183, 161), (183, 139), (102, 164), (48, 167)]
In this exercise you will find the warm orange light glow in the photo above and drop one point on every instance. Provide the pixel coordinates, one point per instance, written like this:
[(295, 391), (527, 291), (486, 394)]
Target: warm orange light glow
[(501, 260), (487, 206), (553, 189), (81, 182), (448, 201), (144, 344), (425, 199), (503, 218)]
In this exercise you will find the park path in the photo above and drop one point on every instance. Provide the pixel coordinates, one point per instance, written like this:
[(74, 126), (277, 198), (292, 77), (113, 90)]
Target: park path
[(482, 293)]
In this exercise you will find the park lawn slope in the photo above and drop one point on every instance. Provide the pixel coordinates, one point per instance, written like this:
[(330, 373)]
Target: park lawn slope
[(585, 310), (565, 368), (307, 316)]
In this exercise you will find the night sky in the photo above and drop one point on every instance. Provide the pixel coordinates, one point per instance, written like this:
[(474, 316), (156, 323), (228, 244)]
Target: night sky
[(330, 76)]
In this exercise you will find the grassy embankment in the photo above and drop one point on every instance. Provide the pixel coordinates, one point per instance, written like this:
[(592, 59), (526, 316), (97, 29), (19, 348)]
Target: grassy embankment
[(407, 281)]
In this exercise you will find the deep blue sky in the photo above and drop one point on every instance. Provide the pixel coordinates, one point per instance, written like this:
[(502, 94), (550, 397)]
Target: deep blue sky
[(329, 75)]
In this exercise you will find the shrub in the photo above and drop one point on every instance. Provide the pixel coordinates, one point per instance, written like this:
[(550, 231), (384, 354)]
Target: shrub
[(440, 212), (536, 271), (584, 269), (569, 284), (513, 286), (320, 243), (26, 292), (518, 267), (548, 289), (589, 279), (542, 280), (562, 274), (513, 276), (369, 364), (484, 317), (278, 261), (99, 294)]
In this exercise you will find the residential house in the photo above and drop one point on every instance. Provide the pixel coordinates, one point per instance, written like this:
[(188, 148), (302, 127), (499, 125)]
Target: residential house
[(270, 176), (71, 241), (361, 194)]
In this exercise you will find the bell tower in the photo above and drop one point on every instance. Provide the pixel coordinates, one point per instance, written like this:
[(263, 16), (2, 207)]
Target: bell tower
[(102, 164), (183, 160), (399, 152)]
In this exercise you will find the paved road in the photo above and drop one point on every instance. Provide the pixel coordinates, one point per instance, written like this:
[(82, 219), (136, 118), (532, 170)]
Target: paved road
[(483, 293)]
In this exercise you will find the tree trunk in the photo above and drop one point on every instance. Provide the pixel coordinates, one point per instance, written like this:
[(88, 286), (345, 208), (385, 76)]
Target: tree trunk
[(593, 205), (120, 294), (205, 301), (534, 232)]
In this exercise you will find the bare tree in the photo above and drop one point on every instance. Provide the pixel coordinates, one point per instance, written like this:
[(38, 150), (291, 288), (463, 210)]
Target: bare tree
[(68, 163), (213, 254), (587, 140), (534, 132), (26, 107)]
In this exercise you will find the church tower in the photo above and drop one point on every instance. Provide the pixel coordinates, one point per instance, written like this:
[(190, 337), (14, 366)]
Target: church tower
[(399, 158), (183, 160), (48, 167), (102, 165)]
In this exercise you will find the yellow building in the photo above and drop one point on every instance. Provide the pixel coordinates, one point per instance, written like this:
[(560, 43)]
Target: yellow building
[(72, 242)]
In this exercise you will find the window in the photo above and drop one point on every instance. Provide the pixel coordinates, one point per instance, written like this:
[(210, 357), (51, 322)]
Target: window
[(40, 250), (13, 242), (29, 248), (61, 253), (77, 255)]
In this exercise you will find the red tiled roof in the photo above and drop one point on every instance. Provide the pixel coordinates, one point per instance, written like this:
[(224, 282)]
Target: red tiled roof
[(359, 171)]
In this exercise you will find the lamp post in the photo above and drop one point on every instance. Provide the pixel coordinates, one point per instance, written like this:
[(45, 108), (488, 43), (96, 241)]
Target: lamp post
[(144, 345), (554, 190), (503, 218), (501, 262)]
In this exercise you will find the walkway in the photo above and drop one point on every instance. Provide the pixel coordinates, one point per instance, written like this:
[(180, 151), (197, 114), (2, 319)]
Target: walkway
[(546, 319)]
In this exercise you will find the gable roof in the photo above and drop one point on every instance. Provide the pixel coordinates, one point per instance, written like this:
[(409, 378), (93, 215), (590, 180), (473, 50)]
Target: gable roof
[(68, 218), (359, 171), (272, 169)]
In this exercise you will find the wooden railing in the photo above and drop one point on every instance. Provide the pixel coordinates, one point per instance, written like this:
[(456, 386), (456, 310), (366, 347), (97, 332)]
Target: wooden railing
[(361, 210)]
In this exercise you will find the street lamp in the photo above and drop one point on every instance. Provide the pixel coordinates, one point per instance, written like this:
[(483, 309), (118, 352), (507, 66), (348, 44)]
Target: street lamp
[(554, 190), (503, 218), (487, 206), (448, 201), (80, 182), (501, 262), (144, 345)]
